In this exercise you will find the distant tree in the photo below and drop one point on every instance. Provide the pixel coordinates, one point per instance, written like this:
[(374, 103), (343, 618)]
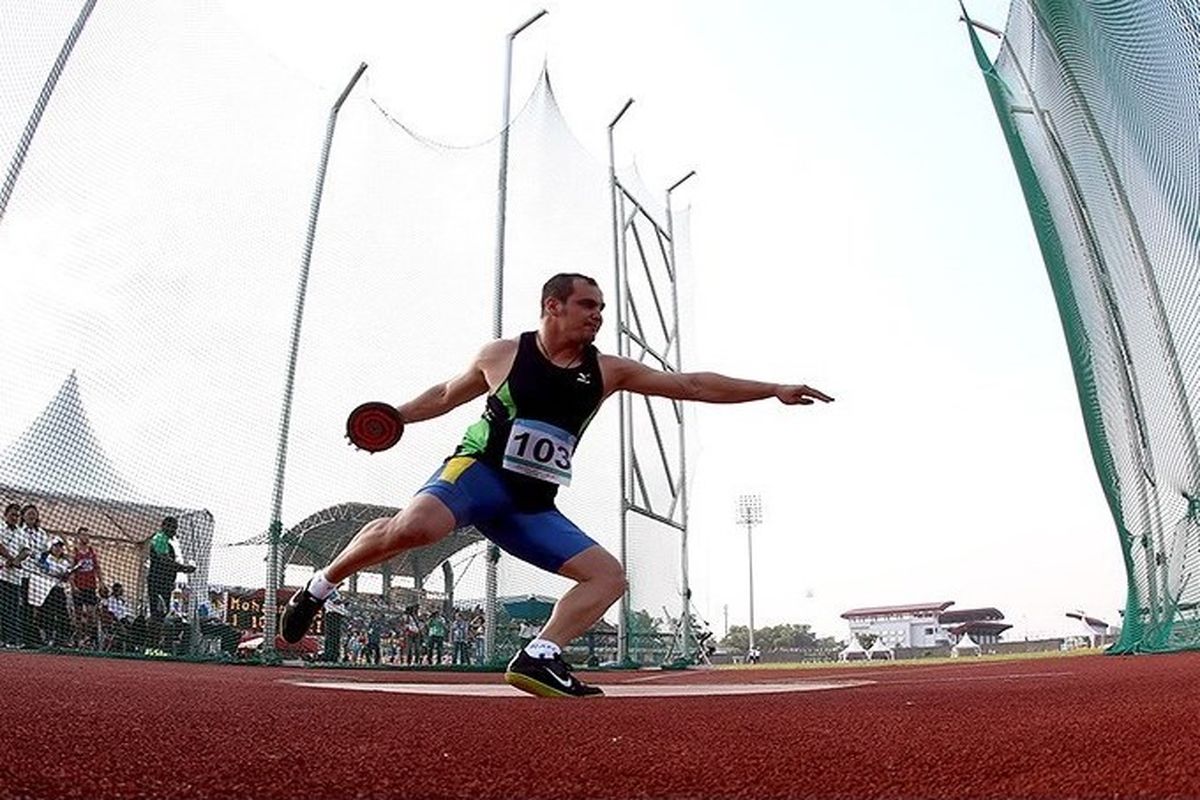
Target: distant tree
[(785, 637), (738, 639), (791, 636), (829, 643)]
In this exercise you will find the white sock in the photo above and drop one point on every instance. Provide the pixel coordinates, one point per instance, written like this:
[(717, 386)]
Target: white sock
[(320, 588), (542, 648)]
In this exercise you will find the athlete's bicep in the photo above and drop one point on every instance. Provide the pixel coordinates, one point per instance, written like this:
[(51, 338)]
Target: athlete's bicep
[(632, 376), (467, 386)]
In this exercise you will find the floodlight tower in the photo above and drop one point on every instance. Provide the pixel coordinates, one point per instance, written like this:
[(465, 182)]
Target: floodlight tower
[(749, 513)]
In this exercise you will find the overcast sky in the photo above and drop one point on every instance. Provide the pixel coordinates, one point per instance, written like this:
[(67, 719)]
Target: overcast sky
[(856, 225)]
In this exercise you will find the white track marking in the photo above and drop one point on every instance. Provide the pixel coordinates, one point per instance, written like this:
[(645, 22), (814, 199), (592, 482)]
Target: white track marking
[(1011, 676), (610, 690)]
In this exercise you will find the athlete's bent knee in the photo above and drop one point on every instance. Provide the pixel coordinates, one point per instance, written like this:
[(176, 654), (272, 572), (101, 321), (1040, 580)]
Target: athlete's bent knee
[(615, 584)]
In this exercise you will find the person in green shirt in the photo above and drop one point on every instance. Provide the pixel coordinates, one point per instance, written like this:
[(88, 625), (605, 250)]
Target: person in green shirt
[(160, 580)]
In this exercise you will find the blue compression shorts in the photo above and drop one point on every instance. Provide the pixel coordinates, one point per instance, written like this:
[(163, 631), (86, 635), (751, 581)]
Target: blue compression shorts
[(476, 495)]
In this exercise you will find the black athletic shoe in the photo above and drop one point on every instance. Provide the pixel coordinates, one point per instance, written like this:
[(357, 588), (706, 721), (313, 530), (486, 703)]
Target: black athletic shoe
[(546, 677), (298, 615)]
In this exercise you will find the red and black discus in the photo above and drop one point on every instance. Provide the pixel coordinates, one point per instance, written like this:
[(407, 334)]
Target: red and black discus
[(374, 427)]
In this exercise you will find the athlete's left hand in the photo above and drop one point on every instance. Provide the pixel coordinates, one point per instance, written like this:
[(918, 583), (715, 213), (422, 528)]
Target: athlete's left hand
[(801, 395)]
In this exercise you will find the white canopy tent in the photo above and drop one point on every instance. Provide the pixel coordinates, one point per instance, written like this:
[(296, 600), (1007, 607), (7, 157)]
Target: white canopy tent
[(966, 646), (854, 651), (880, 651), (59, 465)]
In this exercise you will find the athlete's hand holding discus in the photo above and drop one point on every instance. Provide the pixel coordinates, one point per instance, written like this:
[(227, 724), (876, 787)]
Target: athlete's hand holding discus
[(374, 426)]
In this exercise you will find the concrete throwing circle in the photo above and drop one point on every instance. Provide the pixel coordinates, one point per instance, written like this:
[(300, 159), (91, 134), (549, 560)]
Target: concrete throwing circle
[(610, 690)]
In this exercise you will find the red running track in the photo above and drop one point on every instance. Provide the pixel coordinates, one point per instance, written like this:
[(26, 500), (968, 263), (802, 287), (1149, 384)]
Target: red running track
[(1084, 726)]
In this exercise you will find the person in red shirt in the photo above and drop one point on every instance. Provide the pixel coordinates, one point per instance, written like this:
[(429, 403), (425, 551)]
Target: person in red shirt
[(85, 580)]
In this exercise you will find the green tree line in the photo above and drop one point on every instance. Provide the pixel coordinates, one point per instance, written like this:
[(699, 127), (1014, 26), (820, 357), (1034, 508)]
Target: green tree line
[(778, 637)]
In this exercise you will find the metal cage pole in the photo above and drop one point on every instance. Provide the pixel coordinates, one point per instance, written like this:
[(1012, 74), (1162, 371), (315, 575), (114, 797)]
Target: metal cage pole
[(623, 609), (39, 108), (685, 588), (493, 552), (274, 568)]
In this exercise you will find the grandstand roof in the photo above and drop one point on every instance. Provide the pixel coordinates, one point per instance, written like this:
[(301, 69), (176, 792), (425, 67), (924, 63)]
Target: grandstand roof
[(969, 615), (875, 611), (980, 628), (315, 540)]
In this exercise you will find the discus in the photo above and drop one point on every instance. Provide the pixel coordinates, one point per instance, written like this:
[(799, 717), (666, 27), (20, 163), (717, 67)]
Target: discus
[(374, 427)]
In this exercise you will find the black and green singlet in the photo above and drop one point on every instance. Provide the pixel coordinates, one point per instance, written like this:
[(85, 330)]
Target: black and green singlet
[(533, 421)]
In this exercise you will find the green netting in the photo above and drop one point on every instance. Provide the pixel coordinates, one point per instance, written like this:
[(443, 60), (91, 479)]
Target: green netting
[(153, 244), (1097, 103)]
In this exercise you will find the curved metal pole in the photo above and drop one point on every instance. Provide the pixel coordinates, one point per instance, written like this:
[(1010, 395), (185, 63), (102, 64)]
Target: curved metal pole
[(274, 568), (502, 190), (39, 108), (490, 577)]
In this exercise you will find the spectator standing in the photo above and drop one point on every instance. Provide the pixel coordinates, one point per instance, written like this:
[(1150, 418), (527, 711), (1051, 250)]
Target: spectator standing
[(85, 579), (459, 630), (412, 637), (48, 594), (14, 549), (160, 580), (478, 623), (38, 543), (437, 636), (374, 638)]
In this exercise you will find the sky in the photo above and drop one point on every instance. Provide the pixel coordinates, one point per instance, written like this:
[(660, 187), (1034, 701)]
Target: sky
[(856, 225), (856, 209)]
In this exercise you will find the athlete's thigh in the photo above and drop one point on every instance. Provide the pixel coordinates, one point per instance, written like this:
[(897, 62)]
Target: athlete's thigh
[(470, 489), (546, 539)]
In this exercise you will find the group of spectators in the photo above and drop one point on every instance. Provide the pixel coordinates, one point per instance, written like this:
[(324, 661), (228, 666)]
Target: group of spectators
[(413, 638), (53, 593)]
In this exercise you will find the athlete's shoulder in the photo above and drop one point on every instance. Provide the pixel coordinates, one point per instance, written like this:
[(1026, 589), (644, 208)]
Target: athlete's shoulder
[(610, 362), (498, 347)]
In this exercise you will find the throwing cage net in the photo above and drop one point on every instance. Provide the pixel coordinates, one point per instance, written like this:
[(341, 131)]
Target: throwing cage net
[(1097, 103), (152, 235)]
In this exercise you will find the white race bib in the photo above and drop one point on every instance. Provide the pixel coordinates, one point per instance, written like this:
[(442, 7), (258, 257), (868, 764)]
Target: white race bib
[(540, 450)]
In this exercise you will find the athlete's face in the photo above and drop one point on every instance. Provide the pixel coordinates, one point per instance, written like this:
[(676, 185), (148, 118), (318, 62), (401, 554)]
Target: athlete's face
[(581, 316)]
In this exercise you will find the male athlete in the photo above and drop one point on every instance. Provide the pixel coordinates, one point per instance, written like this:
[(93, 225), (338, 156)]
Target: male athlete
[(543, 388)]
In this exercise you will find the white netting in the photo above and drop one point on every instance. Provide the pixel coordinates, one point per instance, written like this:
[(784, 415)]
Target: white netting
[(154, 243)]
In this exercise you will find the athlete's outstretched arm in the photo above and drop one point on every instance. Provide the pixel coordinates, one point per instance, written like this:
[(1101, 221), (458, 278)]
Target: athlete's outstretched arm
[(443, 397), (708, 387)]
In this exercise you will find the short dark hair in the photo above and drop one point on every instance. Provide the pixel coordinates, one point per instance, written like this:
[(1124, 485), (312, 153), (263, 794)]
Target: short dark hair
[(561, 285), (170, 522), (12, 507)]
